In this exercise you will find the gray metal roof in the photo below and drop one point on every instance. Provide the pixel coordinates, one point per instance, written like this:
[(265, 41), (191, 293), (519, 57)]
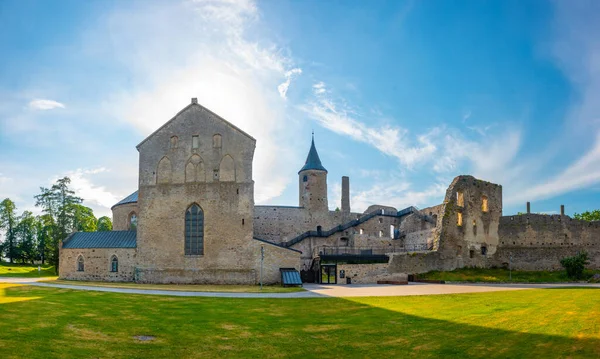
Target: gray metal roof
[(109, 239), (132, 198), (313, 162)]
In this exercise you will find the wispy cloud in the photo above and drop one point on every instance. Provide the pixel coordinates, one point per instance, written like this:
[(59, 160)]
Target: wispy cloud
[(82, 182), (319, 88), (284, 86), (42, 104)]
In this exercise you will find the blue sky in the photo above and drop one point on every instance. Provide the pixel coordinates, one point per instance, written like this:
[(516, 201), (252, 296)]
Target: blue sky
[(402, 95)]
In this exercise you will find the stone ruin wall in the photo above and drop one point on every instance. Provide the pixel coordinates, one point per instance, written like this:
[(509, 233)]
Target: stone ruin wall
[(97, 264), (539, 242)]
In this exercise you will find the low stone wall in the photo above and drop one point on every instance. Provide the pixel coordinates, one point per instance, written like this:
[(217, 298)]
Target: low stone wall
[(97, 264), (275, 258), (548, 258), (367, 273)]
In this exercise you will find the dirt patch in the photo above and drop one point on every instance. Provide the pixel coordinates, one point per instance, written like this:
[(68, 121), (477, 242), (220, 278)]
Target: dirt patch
[(144, 338)]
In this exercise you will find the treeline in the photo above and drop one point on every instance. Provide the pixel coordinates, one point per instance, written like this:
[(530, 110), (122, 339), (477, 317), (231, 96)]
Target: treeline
[(29, 238)]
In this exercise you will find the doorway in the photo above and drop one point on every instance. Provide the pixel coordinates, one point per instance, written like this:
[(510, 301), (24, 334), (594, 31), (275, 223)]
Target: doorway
[(328, 274)]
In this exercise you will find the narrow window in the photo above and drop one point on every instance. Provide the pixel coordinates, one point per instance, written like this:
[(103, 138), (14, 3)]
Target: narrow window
[(460, 199), (132, 221), (474, 223), (174, 140), (305, 178), (194, 230), (217, 141), (484, 204), (380, 234), (80, 267), (471, 253), (114, 264), (361, 231), (242, 221), (483, 250), (459, 219), (319, 229), (392, 231), (380, 220), (195, 142)]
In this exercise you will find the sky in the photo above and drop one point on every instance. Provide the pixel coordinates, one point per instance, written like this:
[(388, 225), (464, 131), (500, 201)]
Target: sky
[(402, 95)]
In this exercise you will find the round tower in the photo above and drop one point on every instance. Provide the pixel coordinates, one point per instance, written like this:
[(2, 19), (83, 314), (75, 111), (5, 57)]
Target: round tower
[(313, 182)]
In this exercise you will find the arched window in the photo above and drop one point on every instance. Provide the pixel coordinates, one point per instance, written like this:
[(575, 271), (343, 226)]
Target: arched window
[(114, 264), (484, 204), (460, 199), (80, 267), (217, 141), (305, 178), (132, 221), (174, 140), (194, 230)]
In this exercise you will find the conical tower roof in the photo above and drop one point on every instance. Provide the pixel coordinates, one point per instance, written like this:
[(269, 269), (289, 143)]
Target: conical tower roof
[(313, 162)]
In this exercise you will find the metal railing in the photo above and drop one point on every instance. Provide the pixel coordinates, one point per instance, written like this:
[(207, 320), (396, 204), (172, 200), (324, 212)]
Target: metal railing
[(369, 251)]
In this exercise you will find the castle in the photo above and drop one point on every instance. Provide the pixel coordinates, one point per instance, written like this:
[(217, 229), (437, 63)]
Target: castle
[(193, 220)]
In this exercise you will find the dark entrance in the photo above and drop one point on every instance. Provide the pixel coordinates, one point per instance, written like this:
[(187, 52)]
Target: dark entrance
[(328, 274)]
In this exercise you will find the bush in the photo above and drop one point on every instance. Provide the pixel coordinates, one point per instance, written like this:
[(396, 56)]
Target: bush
[(575, 265)]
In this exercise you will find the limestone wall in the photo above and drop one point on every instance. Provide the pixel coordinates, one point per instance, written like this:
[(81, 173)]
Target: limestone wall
[(275, 258), (121, 215), (97, 264), (367, 273), (280, 223)]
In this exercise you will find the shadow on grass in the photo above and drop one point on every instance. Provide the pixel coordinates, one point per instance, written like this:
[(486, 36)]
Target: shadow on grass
[(70, 323)]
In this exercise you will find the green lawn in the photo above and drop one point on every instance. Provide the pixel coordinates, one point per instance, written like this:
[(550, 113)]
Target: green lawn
[(25, 270), (40, 322), (186, 287), (498, 275)]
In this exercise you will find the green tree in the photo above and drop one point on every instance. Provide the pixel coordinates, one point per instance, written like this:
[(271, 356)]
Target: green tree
[(26, 236), (575, 265), (45, 226), (588, 216), (59, 203), (8, 223), (104, 224), (84, 219)]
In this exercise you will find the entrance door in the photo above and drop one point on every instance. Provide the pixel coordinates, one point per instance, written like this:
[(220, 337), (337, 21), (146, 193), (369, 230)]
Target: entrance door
[(328, 274)]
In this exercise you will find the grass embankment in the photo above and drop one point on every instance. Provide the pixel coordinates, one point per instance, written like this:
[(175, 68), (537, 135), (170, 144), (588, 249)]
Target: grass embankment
[(25, 270), (499, 275), (185, 287), (61, 323)]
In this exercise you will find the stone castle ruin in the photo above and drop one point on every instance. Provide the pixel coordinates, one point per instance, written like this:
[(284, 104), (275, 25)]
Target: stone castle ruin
[(193, 220)]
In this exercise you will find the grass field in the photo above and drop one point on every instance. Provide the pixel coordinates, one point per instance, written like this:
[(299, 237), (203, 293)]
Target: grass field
[(186, 287), (499, 275), (25, 270), (40, 322)]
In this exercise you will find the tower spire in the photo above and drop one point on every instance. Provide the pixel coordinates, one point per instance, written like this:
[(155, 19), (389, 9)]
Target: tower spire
[(313, 162)]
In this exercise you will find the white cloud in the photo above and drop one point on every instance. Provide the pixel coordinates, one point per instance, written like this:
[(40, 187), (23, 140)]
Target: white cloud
[(41, 104), (283, 87), (319, 88), (93, 195)]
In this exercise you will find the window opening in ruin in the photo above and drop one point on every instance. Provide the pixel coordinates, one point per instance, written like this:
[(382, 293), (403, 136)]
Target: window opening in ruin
[(242, 221), (392, 231), (80, 266), (216, 174), (484, 204), (380, 234), (132, 221), (471, 253), (194, 230), (237, 191), (380, 220), (217, 141), (459, 219), (305, 178), (195, 142), (460, 199), (174, 140), (474, 223), (114, 264), (319, 229), (361, 231), (483, 250)]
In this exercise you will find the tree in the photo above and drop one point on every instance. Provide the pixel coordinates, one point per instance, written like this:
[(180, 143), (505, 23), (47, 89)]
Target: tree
[(84, 219), (104, 224), (8, 223), (59, 203), (26, 236), (45, 226), (575, 265), (588, 216)]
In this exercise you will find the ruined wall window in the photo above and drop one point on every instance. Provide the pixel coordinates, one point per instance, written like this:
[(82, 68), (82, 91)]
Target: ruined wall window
[(194, 230), (305, 178), (114, 264), (392, 231), (195, 142), (484, 203), (174, 140), (483, 250), (471, 253), (380, 234), (361, 231), (132, 221), (460, 199), (80, 266), (217, 141), (474, 223), (459, 219), (380, 220), (319, 229)]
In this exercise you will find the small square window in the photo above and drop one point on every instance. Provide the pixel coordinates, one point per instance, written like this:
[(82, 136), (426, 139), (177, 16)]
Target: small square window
[(195, 142)]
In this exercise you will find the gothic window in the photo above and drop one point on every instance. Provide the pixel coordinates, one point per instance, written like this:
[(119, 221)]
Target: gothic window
[(195, 142), (194, 230), (484, 204), (80, 264), (305, 178), (217, 141), (174, 140), (163, 174), (114, 264), (132, 221), (227, 169)]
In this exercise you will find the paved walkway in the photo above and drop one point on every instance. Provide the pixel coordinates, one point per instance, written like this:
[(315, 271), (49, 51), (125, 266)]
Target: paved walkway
[(317, 290)]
